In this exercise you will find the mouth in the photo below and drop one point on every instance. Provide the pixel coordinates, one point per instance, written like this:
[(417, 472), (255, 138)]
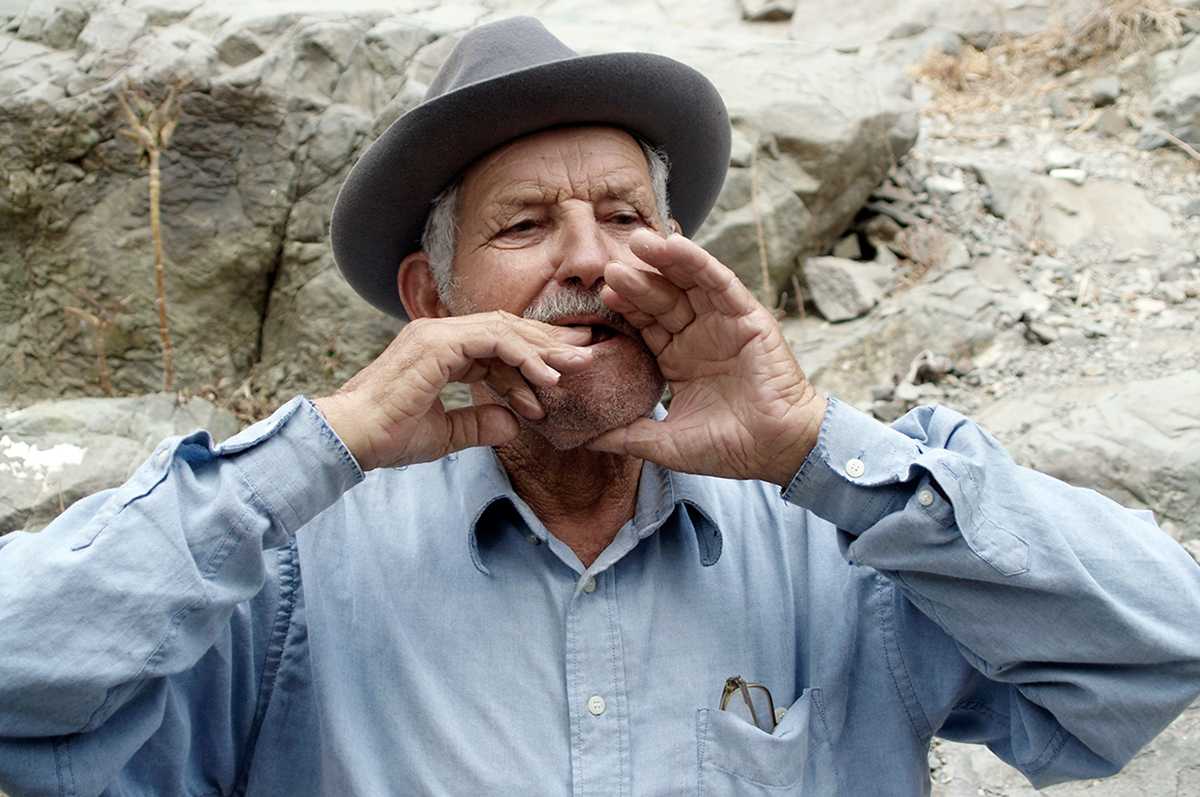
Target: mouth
[(600, 332)]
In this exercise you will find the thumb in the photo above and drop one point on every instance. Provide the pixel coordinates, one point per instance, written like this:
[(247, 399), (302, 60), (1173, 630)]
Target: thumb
[(644, 438)]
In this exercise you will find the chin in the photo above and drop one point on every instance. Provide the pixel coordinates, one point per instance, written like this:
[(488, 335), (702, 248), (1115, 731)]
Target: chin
[(581, 407)]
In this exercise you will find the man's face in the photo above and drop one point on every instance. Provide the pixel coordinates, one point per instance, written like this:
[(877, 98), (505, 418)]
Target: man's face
[(540, 218)]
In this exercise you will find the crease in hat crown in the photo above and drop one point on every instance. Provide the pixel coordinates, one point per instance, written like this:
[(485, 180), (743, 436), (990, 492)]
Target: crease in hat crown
[(502, 81)]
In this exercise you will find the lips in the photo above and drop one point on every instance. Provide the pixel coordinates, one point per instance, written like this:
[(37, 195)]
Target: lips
[(599, 332), (601, 329)]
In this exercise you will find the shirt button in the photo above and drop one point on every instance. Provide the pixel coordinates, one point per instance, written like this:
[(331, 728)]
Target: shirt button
[(163, 456), (533, 539), (855, 468), (590, 585), (925, 497), (596, 705)]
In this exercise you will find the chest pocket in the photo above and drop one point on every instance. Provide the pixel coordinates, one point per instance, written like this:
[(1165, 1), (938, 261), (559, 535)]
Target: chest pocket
[(737, 758)]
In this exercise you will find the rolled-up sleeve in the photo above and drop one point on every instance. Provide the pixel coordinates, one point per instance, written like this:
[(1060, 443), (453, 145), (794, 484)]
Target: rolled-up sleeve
[(137, 584), (1087, 610)]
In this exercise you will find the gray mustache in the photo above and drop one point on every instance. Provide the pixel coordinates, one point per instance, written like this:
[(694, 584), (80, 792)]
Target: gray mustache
[(568, 303)]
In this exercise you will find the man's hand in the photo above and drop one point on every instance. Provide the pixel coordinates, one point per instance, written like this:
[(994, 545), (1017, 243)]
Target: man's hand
[(740, 407), (390, 413)]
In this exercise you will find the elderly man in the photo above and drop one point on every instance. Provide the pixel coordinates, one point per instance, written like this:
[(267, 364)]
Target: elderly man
[(564, 589)]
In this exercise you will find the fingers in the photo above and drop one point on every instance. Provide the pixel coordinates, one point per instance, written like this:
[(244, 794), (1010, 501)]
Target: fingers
[(689, 282), (523, 353), (483, 425), (540, 352), (390, 412), (646, 298), (507, 383)]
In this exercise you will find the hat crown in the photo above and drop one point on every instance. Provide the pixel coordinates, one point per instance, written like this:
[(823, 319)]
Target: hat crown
[(496, 49)]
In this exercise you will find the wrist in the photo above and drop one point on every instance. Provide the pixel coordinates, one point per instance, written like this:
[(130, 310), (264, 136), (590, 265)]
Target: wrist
[(333, 413), (800, 439)]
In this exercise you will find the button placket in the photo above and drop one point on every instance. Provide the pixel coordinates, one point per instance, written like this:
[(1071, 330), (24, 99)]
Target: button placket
[(599, 728)]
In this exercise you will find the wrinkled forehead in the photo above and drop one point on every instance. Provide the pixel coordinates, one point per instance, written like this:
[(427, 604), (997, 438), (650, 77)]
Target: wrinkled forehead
[(584, 161)]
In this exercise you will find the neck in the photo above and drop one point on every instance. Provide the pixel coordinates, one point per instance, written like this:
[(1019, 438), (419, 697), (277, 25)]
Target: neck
[(583, 497)]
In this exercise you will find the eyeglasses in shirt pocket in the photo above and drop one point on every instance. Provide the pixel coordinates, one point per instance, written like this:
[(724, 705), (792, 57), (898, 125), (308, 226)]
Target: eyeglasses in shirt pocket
[(736, 758)]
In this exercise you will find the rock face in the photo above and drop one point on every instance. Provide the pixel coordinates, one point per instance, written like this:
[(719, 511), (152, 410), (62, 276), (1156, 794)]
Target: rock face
[(277, 108)]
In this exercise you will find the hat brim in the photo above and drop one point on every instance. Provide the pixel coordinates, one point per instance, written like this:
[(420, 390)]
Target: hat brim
[(380, 212)]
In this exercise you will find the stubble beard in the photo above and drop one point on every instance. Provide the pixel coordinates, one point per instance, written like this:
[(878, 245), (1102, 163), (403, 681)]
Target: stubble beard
[(607, 396)]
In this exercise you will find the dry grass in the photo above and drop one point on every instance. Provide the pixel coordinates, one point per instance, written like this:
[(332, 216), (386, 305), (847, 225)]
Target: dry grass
[(1080, 32)]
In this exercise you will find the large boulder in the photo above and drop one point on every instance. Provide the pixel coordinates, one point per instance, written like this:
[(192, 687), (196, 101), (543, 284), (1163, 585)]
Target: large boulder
[(53, 454), (277, 107), (1175, 104), (1138, 443)]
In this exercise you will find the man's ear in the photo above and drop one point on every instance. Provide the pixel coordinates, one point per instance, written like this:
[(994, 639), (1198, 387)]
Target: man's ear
[(418, 289)]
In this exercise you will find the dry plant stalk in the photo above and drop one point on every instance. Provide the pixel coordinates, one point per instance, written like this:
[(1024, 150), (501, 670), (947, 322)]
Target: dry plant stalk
[(99, 319), (764, 290), (151, 128)]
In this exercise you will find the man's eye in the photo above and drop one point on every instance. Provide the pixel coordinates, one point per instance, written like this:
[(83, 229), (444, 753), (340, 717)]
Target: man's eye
[(528, 225)]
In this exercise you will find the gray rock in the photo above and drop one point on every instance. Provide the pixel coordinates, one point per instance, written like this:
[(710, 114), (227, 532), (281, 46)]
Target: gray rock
[(1076, 176), (841, 289), (53, 454), (850, 26), (1138, 443), (768, 10), (1061, 158), (952, 317), (1106, 90), (55, 25), (1174, 105), (110, 29), (164, 12), (1058, 211)]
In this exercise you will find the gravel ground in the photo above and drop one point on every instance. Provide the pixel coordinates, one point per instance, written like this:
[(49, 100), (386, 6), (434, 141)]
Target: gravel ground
[(1124, 315)]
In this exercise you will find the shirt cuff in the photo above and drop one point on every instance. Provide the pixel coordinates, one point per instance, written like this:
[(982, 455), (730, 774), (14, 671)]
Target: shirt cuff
[(295, 462), (859, 471)]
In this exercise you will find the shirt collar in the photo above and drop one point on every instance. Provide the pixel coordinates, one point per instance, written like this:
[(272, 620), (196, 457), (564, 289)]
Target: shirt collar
[(661, 493)]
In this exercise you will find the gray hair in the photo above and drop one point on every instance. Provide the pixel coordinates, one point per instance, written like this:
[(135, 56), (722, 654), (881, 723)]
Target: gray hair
[(440, 237)]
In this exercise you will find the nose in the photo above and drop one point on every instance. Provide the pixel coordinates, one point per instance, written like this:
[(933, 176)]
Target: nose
[(586, 250)]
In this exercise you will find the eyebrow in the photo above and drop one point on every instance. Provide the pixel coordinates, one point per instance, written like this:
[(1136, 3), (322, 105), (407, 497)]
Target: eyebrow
[(514, 199)]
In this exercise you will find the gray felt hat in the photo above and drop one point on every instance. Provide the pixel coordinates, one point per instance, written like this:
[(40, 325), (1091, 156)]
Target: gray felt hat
[(505, 80)]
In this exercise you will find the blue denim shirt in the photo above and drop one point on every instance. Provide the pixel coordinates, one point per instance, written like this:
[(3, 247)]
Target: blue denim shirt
[(260, 617)]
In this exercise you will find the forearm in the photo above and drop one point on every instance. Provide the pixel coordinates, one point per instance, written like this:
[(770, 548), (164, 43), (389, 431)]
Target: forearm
[(137, 583)]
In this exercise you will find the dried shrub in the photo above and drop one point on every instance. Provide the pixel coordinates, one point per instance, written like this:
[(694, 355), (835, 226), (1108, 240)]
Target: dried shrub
[(1086, 29), (1080, 31)]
